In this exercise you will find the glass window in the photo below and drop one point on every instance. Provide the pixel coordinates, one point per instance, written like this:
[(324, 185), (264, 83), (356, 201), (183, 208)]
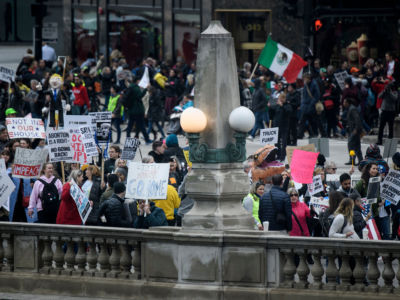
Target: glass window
[(136, 35), (85, 33), (187, 34), (16, 22)]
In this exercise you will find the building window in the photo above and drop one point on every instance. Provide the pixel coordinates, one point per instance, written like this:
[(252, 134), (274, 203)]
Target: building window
[(186, 36), (85, 32)]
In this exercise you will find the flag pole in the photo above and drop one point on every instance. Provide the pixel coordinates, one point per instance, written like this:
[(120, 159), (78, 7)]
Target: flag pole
[(254, 69)]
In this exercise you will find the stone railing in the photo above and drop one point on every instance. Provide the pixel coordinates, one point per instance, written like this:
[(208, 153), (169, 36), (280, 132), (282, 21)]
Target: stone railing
[(130, 261)]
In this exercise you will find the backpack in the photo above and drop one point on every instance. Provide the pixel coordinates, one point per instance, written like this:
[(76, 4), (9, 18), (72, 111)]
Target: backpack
[(326, 223), (49, 196)]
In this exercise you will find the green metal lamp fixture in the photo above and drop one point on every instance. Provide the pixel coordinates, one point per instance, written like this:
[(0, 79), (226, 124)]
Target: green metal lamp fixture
[(194, 121)]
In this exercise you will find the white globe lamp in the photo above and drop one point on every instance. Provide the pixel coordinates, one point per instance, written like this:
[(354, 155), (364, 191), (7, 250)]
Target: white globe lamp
[(242, 119), (193, 120)]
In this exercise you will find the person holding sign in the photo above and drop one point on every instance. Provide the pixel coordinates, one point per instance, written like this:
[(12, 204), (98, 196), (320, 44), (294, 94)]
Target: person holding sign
[(149, 216), (170, 204), (68, 211)]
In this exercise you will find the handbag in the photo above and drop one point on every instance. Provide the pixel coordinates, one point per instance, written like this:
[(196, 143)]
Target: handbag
[(298, 223), (280, 218), (319, 107)]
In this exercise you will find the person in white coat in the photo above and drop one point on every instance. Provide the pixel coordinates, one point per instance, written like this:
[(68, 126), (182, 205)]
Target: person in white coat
[(342, 225)]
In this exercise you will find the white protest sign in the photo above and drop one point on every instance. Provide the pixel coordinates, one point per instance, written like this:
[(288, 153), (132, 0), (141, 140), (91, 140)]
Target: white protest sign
[(319, 204), (72, 123), (316, 186), (145, 81), (60, 148), (28, 163), (25, 128), (6, 74), (88, 141), (269, 136), (340, 78), (81, 201), (332, 177), (3, 167), (390, 189), (147, 181), (373, 189), (130, 147), (102, 122), (6, 188)]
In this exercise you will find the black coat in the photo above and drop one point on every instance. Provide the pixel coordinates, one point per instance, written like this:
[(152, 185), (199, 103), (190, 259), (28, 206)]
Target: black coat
[(113, 210), (280, 203), (294, 100), (175, 151), (155, 112), (282, 116), (94, 195), (259, 99), (358, 221)]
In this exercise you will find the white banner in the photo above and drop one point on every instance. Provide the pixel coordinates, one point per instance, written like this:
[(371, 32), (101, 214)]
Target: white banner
[(19, 128), (88, 141), (6, 188), (269, 136), (390, 189), (59, 142), (81, 201), (6, 74), (147, 181), (317, 185), (3, 167), (28, 163), (319, 204)]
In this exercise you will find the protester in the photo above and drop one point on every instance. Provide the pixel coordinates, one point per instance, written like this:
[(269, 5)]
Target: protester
[(327, 216), (345, 185), (342, 225), (111, 180), (251, 202), (117, 110), (169, 205), (300, 213), (114, 153), (358, 219), (3, 137), (158, 151), (149, 216), (173, 149), (389, 107), (354, 127), (259, 105), (91, 188)]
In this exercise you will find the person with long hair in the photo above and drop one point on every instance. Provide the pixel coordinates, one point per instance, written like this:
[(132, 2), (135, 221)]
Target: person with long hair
[(370, 170), (93, 191), (335, 198), (251, 202), (342, 225), (300, 213)]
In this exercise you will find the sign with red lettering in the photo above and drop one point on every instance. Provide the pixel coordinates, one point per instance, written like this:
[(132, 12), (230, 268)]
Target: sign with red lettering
[(72, 123), (28, 163), (25, 128)]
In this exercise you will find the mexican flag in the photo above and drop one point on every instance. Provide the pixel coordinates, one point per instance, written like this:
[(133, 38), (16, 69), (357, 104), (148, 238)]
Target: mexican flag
[(281, 60)]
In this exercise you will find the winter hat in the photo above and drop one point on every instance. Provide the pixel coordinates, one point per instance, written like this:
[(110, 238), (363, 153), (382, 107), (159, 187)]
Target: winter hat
[(373, 151), (119, 188), (172, 140), (396, 159), (121, 171)]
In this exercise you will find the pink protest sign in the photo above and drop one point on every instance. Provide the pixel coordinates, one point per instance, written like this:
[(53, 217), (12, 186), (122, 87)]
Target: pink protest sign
[(302, 166)]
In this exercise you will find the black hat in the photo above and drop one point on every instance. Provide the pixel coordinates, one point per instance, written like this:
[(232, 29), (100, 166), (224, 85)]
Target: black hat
[(119, 188), (396, 159)]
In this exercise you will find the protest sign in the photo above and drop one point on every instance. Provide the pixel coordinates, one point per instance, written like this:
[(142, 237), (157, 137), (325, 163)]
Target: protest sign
[(72, 123), (25, 128), (316, 186), (322, 145), (373, 189), (365, 206), (391, 187), (332, 177), (147, 181), (302, 166), (340, 78), (3, 167), (6, 74), (130, 147), (81, 201), (6, 188), (87, 139), (145, 81), (390, 147), (355, 179), (102, 122), (59, 145), (28, 163), (290, 149), (319, 204), (269, 136)]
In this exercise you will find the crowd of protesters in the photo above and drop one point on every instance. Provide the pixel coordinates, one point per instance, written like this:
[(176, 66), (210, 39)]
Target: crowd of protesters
[(316, 104)]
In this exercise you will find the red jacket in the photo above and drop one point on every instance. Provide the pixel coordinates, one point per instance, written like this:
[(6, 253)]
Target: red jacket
[(81, 96), (68, 212), (302, 212), (378, 87)]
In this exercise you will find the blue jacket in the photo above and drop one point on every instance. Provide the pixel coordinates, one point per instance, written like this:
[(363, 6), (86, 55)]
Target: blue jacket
[(27, 190), (308, 101), (268, 209)]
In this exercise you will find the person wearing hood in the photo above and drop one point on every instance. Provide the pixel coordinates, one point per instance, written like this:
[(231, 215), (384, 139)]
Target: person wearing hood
[(373, 155), (259, 106), (149, 216), (173, 149)]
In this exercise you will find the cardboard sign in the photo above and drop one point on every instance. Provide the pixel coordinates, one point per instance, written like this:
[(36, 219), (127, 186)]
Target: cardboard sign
[(322, 145), (302, 166), (102, 122), (290, 149), (81, 201), (391, 187), (269, 136), (25, 128), (147, 181), (373, 189), (28, 163), (130, 147), (316, 186), (6, 74), (89, 144), (319, 204), (390, 147), (6, 188), (340, 78), (59, 142)]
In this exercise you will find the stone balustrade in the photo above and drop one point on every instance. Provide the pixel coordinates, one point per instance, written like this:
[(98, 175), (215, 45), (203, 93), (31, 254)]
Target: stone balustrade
[(169, 258)]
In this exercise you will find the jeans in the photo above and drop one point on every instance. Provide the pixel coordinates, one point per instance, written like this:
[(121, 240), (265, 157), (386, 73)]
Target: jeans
[(259, 122), (312, 126), (138, 120), (159, 127), (117, 123)]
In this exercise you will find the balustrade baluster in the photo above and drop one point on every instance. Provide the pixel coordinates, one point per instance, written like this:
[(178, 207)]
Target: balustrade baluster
[(302, 269), (388, 273), (1, 253), (9, 253), (125, 260), (69, 257), (397, 289), (331, 270), (373, 272), (91, 257), (137, 261), (114, 259), (317, 271), (103, 258), (359, 271), (345, 272), (58, 256), (289, 268), (47, 255), (80, 258)]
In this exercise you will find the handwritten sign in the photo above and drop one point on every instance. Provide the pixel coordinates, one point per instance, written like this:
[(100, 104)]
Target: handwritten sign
[(6, 187), (373, 189), (28, 163), (302, 166), (130, 147), (147, 181), (319, 204), (81, 201), (6, 74), (72, 123), (269, 136), (102, 122), (340, 78), (290, 149), (59, 145), (391, 187), (25, 128), (89, 144), (316, 186)]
